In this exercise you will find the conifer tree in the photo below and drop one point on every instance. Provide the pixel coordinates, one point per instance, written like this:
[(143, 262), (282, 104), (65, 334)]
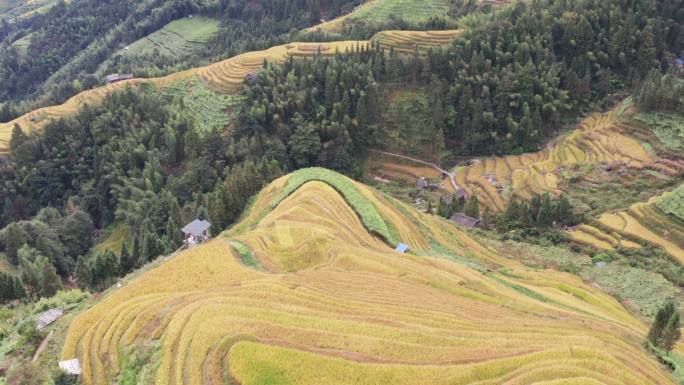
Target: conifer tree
[(472, 208), (15, 240), (671, 333), (660, 322)]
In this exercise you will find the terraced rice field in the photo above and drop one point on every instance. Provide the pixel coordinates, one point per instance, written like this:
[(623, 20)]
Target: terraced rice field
[(13, 9), (647, 222), (224, 77), (380, 11), (334, 304), (600, 139), (408, 41), (178, 38)]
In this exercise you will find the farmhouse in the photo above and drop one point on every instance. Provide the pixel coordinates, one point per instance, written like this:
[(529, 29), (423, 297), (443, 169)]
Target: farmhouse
[(421, 183), (47, 318), (250, 77), (465, 221), (679, 64), (459, 195), (196, 232), (72, 367), (402, 248), (113, 78)]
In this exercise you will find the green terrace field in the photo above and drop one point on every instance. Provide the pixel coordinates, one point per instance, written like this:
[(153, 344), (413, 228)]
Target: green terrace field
[(179, 38), (668, 128), (379, 11), (205, 107), (12, 9)]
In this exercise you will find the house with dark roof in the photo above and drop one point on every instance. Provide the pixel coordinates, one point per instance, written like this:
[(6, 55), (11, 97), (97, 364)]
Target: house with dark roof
[(459, 195), (113, 78), (196, 232), (465, 221), (48, 317)]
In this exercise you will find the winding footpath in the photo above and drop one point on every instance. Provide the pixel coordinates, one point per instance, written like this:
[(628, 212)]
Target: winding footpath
[(433, 165)]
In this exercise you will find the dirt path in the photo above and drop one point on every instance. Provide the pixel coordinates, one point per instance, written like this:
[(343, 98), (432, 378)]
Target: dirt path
[(433, 165), (42, 346)]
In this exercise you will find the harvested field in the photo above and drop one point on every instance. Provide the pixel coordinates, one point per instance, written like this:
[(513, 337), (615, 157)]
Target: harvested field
[(643, 222), (600, 140), (336, 304)]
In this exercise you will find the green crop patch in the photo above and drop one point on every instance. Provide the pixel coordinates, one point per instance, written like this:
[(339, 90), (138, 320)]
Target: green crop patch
[(366, 211), (179, 38)]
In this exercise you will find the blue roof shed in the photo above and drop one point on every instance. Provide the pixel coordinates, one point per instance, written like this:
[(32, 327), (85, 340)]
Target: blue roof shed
[(402, 248), (679, 62)]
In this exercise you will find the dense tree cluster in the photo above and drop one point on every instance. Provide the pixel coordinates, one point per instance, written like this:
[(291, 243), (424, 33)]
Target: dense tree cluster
[(512, 80)]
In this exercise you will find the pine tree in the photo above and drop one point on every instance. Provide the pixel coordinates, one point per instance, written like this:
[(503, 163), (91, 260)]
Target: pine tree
[(127, 261), (202, 213), (429, 207), (660, 322), (51, 282), (564, 211), (442, 208), (472, 208), (671, 333), (15, 240), (82, 272), (18, 137), (545, 215)]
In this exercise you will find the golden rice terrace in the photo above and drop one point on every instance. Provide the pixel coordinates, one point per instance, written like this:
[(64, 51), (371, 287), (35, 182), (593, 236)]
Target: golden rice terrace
[(308, 289)]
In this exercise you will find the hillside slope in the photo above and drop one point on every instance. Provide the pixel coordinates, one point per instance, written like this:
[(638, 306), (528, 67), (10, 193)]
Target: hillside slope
[(225, 77), (600, 139), (658, 222), (325, 301)]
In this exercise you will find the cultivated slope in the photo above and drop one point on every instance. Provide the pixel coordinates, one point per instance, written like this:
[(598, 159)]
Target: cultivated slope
[(600, 139), (331, 302), (225, 77), (659, 222)]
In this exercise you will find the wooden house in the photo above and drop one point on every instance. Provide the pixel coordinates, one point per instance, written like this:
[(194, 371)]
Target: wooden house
[(47, 318), (113, 78), (465, 221), (196, 232)]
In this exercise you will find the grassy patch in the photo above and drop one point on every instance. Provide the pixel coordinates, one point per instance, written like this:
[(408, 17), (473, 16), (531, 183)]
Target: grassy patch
[(521, 289), (114, 239), (246, 255), (673, 203), (178, 38), (207, 109), (411, 11), (643, 290), (594, 191), (668, 128), (366, 211)]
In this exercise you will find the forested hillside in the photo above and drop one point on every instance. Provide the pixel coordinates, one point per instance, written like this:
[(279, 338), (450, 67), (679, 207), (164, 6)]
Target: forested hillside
[(93, 194), (69, 42)]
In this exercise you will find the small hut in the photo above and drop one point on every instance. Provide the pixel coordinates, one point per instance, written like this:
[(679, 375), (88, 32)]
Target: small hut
[(402, 248), (72, 367), (679, 64), (465, 221), (421, 183), (459, 195), (251, 77), (196, 232), (113, 78), (47, 318)]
